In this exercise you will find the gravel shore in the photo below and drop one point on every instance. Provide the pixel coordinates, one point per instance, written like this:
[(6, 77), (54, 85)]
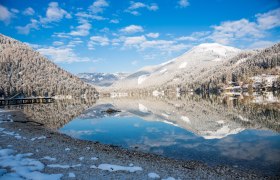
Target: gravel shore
[(64, 157)]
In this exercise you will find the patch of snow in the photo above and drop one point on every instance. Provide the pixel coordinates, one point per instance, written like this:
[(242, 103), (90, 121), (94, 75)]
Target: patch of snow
[(143, 108), (93, 167), (39, 138), (49, 158), (63, 166), (142, 78), (243, 118), (186, 119), (81, 158), (183, 65), (165, 115), (11, 133), (71, 175), (153, 175), (94, 158), (169, 178), (113, 168), (158, 93), (217, 60), (21, 167), (163, 70), (241, 61), (168, 122), (220, 122), (67, 149)]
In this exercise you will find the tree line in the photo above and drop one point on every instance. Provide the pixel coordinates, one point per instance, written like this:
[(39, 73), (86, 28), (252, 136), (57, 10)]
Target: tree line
[(25, 71)]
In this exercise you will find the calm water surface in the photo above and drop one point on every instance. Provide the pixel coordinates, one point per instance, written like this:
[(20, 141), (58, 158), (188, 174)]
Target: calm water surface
[(239, 132), (241, 136)]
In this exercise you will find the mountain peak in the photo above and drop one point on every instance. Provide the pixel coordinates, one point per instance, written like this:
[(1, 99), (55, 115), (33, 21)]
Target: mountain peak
[(214, 48)]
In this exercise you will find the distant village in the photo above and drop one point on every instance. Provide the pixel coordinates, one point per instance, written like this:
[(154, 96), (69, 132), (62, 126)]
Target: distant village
[(262, 82)]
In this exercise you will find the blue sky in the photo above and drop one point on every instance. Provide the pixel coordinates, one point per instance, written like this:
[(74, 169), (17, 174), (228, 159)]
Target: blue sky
[(123, 35)]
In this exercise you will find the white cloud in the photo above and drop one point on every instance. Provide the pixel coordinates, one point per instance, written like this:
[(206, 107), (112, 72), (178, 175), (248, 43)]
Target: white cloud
[(134, 41), (135, 62), (98, 6), (15, 10), (135, 6), (34, 46), (74, 43), (62, 55), (196, 36), (61, 35), (28, 11), (269, 20), (81, 30), (100, 40), (261, 44), (114, 21), (244, 30), (141, 44), (58, 43), (5, 15), (230, 31), (132, 29), (55, 13), (186, 38), (153, 7), (153, 35), (97, 41), (34, 24), (90, 16), (163, 46), (183, 3)]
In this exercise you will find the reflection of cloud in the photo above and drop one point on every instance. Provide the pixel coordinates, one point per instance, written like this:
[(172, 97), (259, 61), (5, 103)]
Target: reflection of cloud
[(224, 131), (78, 133), (136, 125), (152, 130), (251, 150)]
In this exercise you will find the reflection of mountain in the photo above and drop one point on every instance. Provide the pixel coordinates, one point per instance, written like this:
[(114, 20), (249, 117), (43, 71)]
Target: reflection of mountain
[(210, 118), (57, 114)]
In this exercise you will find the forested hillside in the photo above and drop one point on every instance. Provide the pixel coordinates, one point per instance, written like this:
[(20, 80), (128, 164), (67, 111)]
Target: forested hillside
[(242, 69), (25, 71)]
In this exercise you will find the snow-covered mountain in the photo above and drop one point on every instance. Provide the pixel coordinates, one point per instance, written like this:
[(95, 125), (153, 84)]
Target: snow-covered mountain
[(184, 68), (101, 79)]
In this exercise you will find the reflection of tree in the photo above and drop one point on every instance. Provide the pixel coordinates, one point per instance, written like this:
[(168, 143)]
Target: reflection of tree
[(57, 114), (258, 115), (212, 116)]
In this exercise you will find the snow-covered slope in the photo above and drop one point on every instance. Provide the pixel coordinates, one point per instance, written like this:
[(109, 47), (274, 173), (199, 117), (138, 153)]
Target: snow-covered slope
[(101, 79), (181, 69)]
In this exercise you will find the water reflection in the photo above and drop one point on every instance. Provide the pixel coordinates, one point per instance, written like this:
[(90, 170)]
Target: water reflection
[(240, 131), (54, 115)]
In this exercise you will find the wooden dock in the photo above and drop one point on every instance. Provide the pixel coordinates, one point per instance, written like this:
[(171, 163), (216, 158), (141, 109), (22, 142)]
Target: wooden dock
[(18, 101)]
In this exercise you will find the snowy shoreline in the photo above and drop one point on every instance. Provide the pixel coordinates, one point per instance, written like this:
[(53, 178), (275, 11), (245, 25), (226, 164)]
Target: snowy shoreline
[(31, 151)]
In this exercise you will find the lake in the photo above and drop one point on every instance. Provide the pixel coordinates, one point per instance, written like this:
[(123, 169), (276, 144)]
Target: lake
[(241, 132)]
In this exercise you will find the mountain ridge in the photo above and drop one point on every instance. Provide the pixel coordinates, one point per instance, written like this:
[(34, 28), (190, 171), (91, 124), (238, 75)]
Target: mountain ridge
[(26, 71), (199, 57), (101, 79)]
